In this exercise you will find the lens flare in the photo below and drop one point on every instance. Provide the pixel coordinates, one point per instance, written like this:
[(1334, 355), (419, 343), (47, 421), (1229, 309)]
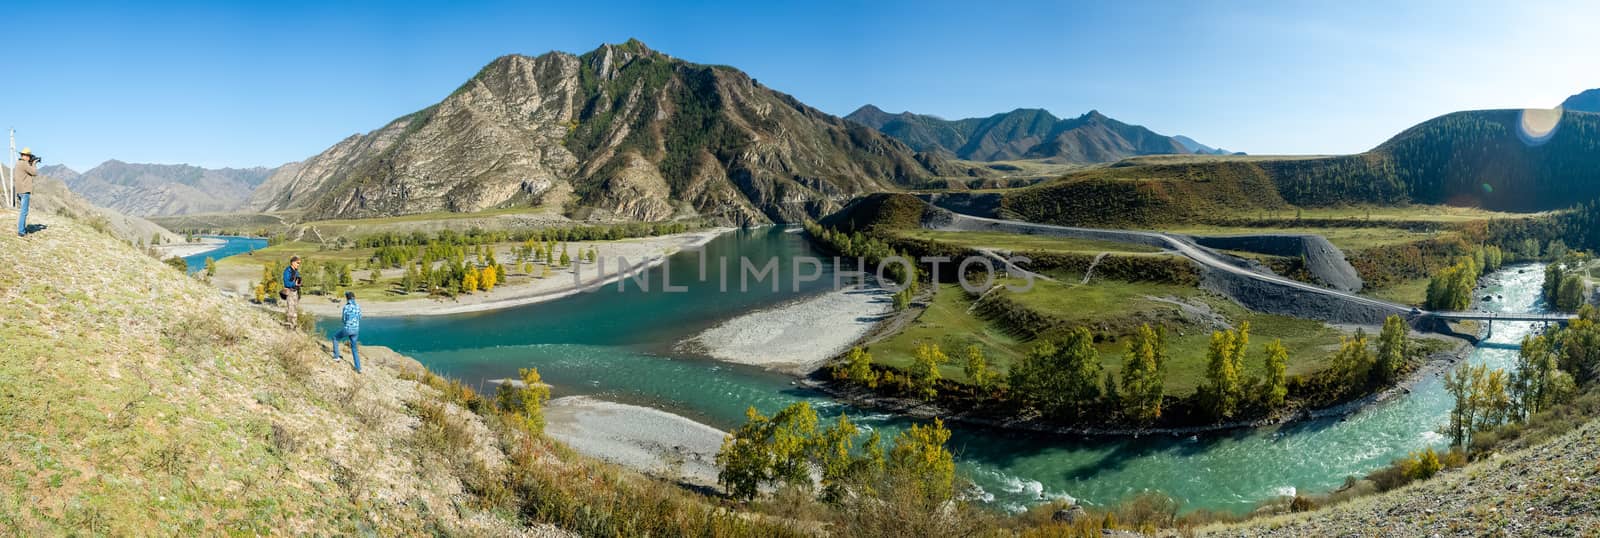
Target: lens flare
[(1536, 125)]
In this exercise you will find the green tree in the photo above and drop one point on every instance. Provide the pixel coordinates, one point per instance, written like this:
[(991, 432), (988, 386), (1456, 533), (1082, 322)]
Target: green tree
[(924, 371), (211, 267), (1144, 375), (1276, 387), (1569, 296), (565, 259), (346, 278), (1060, 378), (409, 280), (377, 274), (1392, 349)]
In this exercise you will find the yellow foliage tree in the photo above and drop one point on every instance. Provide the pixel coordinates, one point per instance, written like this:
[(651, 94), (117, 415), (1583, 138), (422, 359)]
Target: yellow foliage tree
[(488, 278), (469, 282)]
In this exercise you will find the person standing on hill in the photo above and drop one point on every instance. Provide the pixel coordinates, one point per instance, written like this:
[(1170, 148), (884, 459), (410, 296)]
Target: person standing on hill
[(351, 328), (25, 173), (291, 290)]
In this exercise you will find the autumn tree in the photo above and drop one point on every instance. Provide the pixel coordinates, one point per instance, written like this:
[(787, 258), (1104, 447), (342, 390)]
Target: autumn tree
[(1224, 371), (924, 370), (1275, 388), (1353, 363), (525, 400), (766, 450), (919, 455), (487, 278), (976, 366), (834, 462), (469, 280), (857, 367), (1144, 374)]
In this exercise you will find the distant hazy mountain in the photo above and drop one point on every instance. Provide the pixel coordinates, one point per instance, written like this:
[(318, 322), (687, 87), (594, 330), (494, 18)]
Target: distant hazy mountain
[(162, 189), (620, 132), (51, 195), (1024, 133), (1196, 147), (1585, 101)]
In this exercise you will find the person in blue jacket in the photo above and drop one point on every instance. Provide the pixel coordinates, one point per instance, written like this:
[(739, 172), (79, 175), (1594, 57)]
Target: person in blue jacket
[(351, 328), (291, 290)]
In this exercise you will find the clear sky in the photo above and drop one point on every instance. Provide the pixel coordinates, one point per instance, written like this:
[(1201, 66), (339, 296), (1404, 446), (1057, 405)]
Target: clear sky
[(227, 84)]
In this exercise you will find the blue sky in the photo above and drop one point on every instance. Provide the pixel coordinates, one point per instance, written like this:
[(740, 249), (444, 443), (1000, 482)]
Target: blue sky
[(230, 84)]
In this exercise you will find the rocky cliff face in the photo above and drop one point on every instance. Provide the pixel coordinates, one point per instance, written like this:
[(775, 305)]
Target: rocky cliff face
[(163, 189), (620, 133)]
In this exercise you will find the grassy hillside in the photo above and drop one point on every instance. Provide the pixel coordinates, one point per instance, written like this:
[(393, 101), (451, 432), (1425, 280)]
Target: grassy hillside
[(137, 402), (140, 402)]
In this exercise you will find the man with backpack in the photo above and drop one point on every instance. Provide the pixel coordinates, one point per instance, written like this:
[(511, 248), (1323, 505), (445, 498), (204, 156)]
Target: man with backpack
[(291, 290)]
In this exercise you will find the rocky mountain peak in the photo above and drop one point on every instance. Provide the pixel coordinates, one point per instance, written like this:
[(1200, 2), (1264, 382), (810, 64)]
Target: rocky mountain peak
[(621, 132), (609, 59)]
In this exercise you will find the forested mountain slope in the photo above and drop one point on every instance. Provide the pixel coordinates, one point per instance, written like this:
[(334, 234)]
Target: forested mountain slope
[(1025, 133)]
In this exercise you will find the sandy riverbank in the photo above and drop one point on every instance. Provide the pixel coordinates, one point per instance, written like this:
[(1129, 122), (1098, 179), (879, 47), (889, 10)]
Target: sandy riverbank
[(184, 250), (797, 337), (647, 440), (651, 250)]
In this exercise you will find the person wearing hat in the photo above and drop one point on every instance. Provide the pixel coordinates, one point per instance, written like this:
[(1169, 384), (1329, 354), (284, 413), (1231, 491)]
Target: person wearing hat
[(291, 290), (24, 174), (352, 327)]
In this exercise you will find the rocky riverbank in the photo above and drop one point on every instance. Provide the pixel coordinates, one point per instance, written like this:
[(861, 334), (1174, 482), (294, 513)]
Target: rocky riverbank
[(648, 440)]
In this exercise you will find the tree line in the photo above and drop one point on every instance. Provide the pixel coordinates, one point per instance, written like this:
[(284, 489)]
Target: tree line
[(1062, 378)]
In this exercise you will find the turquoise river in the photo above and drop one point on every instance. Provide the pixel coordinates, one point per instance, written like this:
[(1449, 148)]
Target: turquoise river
[(619, 345)]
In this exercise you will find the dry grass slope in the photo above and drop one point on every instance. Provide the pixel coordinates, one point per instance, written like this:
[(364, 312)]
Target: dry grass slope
[(1552, 489)]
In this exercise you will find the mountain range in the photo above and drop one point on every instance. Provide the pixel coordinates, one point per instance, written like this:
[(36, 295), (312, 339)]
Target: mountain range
[(161, 189), (621, 132), (1027, 133), (1507, 160)]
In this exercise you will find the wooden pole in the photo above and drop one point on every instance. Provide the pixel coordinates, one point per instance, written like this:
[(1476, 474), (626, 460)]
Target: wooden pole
[(10, 179)]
